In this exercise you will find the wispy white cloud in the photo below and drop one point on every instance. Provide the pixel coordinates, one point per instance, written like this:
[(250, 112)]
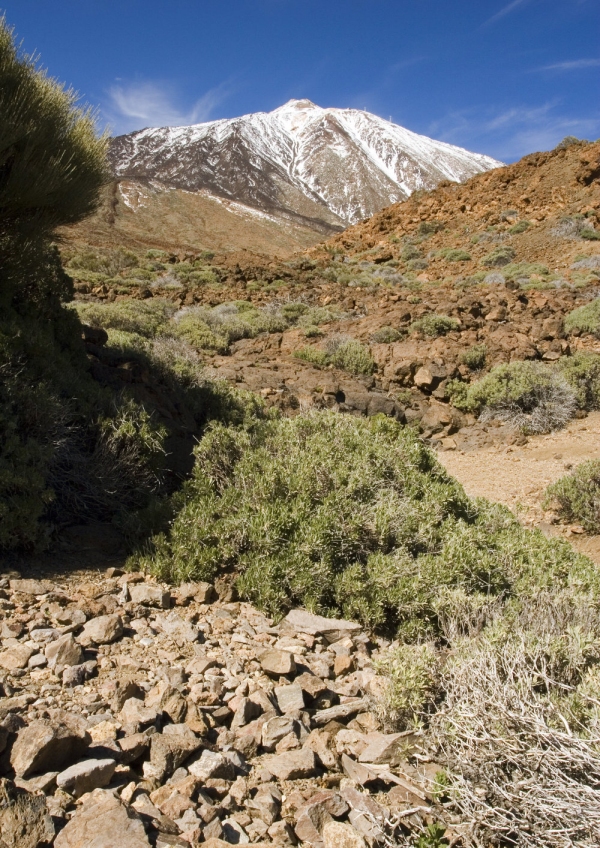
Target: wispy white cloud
[(506, 10), (139, 104), (574, 65), (508, 134)]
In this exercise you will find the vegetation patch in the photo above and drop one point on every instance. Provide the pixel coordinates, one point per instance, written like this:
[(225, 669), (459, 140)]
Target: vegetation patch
[(434, 325), (577, 496), (475, 357), (584, 319), (341, 352), (499, 257), (453, 254)]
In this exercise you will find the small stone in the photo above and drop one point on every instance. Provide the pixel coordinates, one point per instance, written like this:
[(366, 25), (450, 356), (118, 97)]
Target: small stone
[(76, 675), (133, 747), (289, 698), (276, 729), (86, 776), (341, 835), (180, 630), (103, 822), (150, 595), (293, 765), (332, 629), (32, 587), (314, 815), (64, 651), (202, 593), (234, 833), (343, 665), (383, 747), (101, 630), (172, 747), (15, 657), (212, 765), (278, 663), (134, 711)]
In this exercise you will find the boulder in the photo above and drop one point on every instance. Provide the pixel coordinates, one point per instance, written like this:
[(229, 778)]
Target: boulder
[(293, 765), (86, 776), (63, 652), (15, 657), (212, 765), (103, 822), (24, 818), (150, 595), (41, 747), (290, 698)]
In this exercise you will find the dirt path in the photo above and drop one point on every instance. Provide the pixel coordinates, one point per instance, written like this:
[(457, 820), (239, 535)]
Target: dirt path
[(518, 475)]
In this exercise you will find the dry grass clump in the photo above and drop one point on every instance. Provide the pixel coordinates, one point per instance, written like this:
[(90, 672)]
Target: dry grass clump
[(577, 495)]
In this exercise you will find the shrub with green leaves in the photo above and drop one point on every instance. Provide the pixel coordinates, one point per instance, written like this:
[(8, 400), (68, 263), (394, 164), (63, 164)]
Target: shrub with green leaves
[(474, 358), (499, 257), (454, 254), (386, 335), (529, 395), (314, 355), (348, 354), (577, 496), (147, 318), (519, 227), (584, 319), (582, 373), (354, 517), (434, 325)]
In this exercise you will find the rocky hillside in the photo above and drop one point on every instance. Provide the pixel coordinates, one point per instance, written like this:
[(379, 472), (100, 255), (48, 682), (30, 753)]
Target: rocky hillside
[(273, 182)]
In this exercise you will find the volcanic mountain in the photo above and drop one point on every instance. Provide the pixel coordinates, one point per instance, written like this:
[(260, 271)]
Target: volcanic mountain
[(303, 171)]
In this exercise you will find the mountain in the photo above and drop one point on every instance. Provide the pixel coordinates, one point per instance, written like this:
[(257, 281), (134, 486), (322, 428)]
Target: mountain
[(317, 169)]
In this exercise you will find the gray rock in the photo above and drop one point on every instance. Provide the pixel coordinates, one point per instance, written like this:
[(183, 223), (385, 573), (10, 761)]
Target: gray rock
[(63, 652), (313, 816), (181, 631), (289, 698), (278, 663), (41, 747), (103, 822), (383, 747), (134, 711), (333, 629), (293, 765), (212, 765), (85, 776), (24, 818), (32, 587), (150, 595), (202, 593), (101, 630), (76, 675)]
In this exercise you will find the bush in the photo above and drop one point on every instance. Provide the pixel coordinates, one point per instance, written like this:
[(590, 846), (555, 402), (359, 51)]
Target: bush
[(584, 319), (582, 373), (451, 254), (434, 325), (386, 335), (519, 227), (590, 234), (348, 354), (428, 228), (474, 357), (411, 673), (351, 516), (499, 257), (529, 395), (147, 318), (199, 335), (578, 496), (411, 252)]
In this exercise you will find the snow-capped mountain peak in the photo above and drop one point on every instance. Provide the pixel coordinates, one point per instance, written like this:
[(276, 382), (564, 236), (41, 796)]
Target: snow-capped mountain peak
[(322, 167)]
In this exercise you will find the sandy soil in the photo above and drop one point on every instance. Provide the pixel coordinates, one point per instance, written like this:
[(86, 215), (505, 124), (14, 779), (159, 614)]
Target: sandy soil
[(518, 475)]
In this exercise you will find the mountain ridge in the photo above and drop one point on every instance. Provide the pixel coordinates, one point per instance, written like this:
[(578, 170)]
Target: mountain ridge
[(331, 167)]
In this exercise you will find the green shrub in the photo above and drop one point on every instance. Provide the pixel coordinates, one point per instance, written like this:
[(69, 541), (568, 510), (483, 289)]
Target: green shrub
[(519, 227), (434, 325), (412, 674), (411, 252), (314, 355), (529, 395), (109, 262), (428, 228), (524, 269), (582, 373), (452, 254), (148, 318), (590, 234), (199, 335), (578, 496), (351, 516), (474, 357), (352, 356), (499, 257), (584, 319), (386, 335)]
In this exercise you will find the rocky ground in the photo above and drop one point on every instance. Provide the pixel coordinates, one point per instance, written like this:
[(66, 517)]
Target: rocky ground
[(136, 715)]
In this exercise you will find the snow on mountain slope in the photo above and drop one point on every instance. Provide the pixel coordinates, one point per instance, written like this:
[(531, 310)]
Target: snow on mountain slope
[(323, 168)]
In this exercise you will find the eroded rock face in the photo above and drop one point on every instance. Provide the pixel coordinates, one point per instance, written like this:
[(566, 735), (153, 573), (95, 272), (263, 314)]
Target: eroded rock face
[(206, 723)]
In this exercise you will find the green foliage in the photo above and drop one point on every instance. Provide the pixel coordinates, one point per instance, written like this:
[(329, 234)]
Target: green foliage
[(411, 672), (530, 395), (499, 257), (428, 228), (434, 325), (350, 516), (519, 227), (348, 354), (590, 234), (584, 319), (582, 372), (452, 254), (432, 837), (524, 269), (386, 335), (411, 252), (474, 357), (147, 318), (578, 496), (108, 262), (199, 335)]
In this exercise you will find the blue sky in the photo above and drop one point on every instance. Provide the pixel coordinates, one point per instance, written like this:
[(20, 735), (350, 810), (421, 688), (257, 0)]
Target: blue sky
[(502, 77)]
